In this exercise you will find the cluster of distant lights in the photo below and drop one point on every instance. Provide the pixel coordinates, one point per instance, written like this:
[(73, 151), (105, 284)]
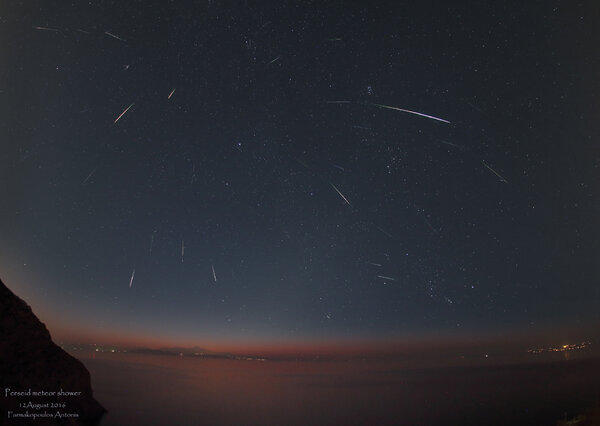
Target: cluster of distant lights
[(95, 347), (563, 348), (113, 349)]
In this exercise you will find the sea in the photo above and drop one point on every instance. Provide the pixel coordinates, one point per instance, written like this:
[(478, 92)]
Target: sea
[(142, 389)]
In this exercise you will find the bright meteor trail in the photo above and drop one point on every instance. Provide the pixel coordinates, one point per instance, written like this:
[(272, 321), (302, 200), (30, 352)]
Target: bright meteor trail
[(123, 113), (341, 195), (410, 112)]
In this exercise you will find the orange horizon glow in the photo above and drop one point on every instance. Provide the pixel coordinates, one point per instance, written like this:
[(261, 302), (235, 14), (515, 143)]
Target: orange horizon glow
[(273, 347), (432, 345)]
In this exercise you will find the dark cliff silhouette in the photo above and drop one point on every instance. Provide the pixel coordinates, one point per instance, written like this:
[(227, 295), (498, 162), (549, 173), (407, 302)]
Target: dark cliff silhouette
[(31, 362)]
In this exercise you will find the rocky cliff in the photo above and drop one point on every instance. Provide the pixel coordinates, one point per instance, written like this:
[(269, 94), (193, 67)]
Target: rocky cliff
[(36, 376)]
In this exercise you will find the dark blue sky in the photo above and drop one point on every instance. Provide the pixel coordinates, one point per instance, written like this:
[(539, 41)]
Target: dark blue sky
[(485, 224)]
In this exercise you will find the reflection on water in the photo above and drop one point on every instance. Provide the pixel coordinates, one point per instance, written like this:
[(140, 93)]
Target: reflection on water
[(163, 390)]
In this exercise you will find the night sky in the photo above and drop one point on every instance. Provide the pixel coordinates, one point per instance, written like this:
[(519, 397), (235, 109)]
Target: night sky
[(258, 187)]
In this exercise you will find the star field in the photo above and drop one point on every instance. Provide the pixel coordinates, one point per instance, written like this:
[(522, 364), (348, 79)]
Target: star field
[(241, 172)]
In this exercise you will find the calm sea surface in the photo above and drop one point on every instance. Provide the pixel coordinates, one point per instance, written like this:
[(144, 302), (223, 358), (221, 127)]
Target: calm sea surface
[(169, 390)]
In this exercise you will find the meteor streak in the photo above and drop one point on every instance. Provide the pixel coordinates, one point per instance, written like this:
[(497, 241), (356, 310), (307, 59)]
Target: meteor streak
[(495, 172), (123, 113), (131, 280), (430, 225), (341, 195), (410, 112), (387, 234), (171, 94), (451, 144), (112, 35), (386, 278), (46, 29), (213, 271), (90, 175)]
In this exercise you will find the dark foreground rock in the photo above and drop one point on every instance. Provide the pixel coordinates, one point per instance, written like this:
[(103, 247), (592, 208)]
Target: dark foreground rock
[(36, 376)]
